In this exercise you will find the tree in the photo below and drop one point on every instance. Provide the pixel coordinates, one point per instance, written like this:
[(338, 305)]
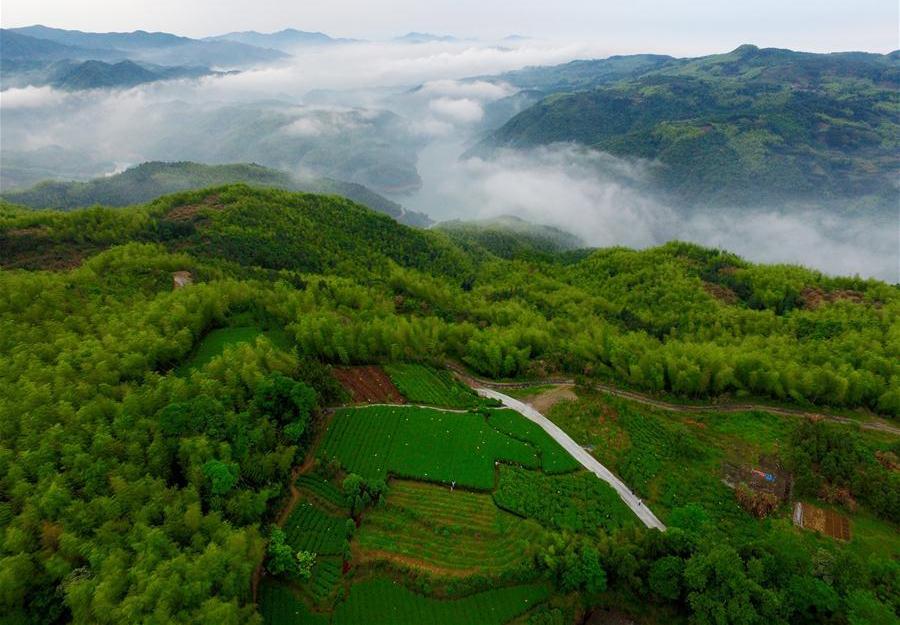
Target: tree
[(665, 577), (281, 559), (361, 493), (222, 476), (305, 562)]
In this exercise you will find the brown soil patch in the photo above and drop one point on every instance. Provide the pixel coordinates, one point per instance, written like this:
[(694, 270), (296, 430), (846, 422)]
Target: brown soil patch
[(368, 385), (189, 212), (38, 253), (813, 297), (766, 476), (543, 402), (824, 521), (366, 556), (721, 293), (30, 231)]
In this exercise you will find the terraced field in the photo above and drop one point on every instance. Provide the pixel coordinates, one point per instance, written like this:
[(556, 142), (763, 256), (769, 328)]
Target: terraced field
[(380, 601), (310, 528), (421, 443), (554, 459), (445, 532), (280, 604), (322, 491), (424, 385)]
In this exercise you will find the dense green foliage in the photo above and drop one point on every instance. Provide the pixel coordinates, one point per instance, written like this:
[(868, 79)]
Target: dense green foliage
[(751, 126), (424, 385), (826, 460), (511, 237), (134, 489), (578, 502)]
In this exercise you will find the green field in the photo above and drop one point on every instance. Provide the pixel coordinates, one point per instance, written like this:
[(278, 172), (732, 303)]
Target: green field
[(577, 502), (554, 459), (424, 385), (216, 341), (381, 601), (448, 532), (280, 605), (421, 443)]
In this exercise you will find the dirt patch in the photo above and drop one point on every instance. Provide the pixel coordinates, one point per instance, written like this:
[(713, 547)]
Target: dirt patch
[(189, 212), (35, 252), (368, 385), (608, 617), (721, 293), (813, 297), (543, 402), (766, 476), (827, 522)]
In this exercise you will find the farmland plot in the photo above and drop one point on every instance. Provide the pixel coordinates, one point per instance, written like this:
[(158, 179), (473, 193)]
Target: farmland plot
[(310, 528), (381, 601), (424, 385), (279, 605), (554, 459), (445, 532), (421, 443), (368, 385)]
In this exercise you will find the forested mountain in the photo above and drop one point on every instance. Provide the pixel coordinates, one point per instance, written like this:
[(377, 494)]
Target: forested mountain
[(149, 181), (754, 126), (162, 48), (135, 488)]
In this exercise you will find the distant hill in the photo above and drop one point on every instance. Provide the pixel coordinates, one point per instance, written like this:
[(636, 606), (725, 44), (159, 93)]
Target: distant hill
[(424, 38), (511, 237), (284, 40), (160, 48), (73, 75), (148, 181), (16, 45), (749, 127)]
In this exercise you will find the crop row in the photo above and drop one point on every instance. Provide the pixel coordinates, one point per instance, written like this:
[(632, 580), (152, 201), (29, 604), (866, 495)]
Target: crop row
[(424, 385)]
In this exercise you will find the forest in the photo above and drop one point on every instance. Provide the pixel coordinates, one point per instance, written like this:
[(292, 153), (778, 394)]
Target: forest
[(139, 479)]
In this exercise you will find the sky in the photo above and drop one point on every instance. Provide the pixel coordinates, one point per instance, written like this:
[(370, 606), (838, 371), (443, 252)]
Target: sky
[(696, 27)]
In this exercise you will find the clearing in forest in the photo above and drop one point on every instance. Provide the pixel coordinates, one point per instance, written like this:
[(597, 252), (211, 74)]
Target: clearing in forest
[(215, 342), (422, 443), (424, 385), (368, 385), (444, 531)]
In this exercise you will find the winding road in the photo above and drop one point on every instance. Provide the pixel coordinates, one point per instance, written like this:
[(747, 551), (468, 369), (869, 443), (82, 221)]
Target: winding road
[(587, 460), (872, 424)]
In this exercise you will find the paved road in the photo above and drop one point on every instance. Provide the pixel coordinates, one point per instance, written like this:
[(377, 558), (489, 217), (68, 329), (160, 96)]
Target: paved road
[(587, 460), (872, 424)]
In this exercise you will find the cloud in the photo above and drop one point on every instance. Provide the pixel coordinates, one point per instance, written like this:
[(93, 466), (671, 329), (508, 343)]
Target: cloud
[(30, 98), (463, 110)]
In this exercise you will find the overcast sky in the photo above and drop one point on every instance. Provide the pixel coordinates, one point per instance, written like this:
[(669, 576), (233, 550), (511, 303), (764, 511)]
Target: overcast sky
[(698, 26)]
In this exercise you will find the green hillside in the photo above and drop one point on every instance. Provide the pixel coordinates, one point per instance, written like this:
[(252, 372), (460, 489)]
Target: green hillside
[(150, 429), (149, 181), (753, 126), (511, 237)]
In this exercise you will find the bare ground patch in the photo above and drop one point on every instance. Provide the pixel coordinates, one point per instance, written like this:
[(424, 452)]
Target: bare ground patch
[(368, 385)]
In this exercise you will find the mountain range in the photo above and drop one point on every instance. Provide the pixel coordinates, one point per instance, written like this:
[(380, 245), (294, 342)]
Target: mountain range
[(753, 126)]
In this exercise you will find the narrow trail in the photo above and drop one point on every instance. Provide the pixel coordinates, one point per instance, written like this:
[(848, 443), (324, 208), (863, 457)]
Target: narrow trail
[(294, 493), (647, 400), (587, 460)]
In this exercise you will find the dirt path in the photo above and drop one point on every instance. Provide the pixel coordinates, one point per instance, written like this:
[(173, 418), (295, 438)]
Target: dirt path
[(294, 493), (647, 400), (577, 451)]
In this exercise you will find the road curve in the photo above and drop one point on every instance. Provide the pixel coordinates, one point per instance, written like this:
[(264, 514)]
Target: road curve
[(587, 461)]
